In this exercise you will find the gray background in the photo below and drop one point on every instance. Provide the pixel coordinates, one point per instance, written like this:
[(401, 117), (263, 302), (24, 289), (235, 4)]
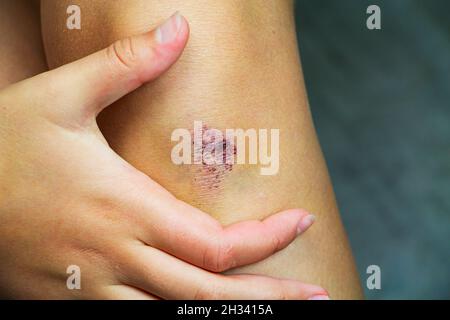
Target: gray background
[(381, 104)]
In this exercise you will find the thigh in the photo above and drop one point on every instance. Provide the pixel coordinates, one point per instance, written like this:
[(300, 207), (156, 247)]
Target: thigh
[(240, 70)]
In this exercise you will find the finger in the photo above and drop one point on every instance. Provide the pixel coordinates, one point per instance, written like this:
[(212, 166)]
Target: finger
[(90, 84), (199, 239), (124, 292), (170, 278)]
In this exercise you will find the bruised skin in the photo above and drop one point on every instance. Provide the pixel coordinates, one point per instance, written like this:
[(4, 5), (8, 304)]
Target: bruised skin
[(240, 70), (210, 173), (209, 155)]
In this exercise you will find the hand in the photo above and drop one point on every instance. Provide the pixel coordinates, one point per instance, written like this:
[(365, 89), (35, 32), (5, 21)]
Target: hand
[(67, 199)]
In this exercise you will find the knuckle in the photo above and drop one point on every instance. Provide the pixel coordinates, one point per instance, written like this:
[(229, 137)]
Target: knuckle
[(226, 258), (122, 52), (276, 243), (219, 256)]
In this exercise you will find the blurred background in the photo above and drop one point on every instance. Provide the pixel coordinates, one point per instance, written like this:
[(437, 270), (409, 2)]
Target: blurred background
[(381, 104)]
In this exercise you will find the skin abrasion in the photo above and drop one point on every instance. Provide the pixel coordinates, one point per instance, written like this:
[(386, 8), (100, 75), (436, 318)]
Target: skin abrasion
[(214, 156)]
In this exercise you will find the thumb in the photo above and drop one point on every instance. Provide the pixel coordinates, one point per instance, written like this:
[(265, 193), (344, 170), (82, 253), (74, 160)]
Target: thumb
[(92, 83)]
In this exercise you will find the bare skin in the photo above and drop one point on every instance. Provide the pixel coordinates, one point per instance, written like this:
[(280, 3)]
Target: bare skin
[(22, 54), (240, 70)]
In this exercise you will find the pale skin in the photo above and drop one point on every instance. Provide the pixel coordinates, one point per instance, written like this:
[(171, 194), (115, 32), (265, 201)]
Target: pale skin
[(68, 199), (240, 69)]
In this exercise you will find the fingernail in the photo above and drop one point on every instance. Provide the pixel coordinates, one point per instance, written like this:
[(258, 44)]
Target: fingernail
[(319, 297), (305, 223), (168, 31)]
